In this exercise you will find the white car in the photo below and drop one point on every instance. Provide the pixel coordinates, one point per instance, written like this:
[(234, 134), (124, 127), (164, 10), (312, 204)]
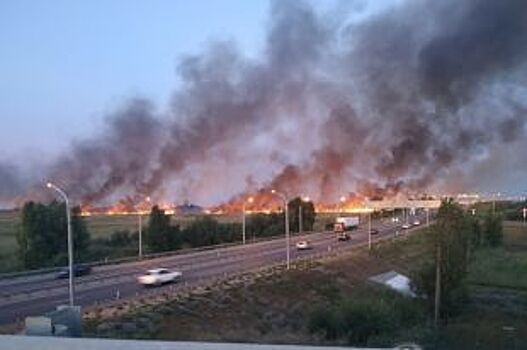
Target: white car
[(405, 226), (303, 245), (416, 223), (156, 277)]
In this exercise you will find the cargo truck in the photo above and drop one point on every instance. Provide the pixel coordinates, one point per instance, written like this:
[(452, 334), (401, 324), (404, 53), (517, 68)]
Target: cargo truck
[(343, 225), (349, 222)]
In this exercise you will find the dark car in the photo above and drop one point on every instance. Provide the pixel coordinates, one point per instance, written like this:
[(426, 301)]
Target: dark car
[(78, 270), (374, 231)]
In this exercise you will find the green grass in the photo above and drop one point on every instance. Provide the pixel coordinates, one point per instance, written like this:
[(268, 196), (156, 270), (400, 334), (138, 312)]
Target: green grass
[(500, 268), (503, 267), (101, 226), (9, 221), (496, 317), (407, 251), (8, 228)]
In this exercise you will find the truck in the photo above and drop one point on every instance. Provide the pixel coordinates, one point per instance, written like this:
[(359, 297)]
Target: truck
[(340, 230), (349, 222)]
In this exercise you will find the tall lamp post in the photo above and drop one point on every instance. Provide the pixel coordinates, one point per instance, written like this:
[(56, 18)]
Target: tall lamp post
[(369, 228), (342, 201), (140, 229), (70, 240), (284, 199), (494, 202), (249, 200), (369, 210), (427, 210), (302, 201)]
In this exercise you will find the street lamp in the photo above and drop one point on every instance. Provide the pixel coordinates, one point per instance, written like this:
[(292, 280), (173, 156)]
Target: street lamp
[(70, 239), (369, 210), (369, 228), (249, 200), (140, 227), (427, 217), (302, 200), (342, 201), (284, 199), (494, 202)]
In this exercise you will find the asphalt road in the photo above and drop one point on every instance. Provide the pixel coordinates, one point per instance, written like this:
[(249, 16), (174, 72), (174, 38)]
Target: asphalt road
[(37, 294)]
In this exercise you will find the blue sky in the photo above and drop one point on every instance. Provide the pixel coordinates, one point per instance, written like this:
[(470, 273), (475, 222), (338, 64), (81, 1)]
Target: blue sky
[(65, 64)]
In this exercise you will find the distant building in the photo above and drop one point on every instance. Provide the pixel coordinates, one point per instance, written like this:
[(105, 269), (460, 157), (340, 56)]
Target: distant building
[(188, 209)]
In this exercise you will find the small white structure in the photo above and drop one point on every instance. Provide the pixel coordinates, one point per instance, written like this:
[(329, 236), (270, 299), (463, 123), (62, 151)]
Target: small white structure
[(395, 281)]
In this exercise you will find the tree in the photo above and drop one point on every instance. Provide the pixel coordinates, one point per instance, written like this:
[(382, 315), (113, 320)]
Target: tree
[(160, 235), (442, 279), (42, 237), (493, 230), (81, 235), (476, 232), (208, 231), (266, 225), (308, 214)]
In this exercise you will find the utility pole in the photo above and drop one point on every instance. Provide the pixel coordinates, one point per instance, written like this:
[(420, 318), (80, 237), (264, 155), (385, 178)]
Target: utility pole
[(249, 200), (369, 230), (140, 228), (427, 217), (437, 286), (494, 202), (300, 218), (287, 239)]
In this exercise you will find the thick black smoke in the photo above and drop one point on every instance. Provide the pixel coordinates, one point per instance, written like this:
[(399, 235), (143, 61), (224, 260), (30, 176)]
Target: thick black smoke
[(116, 162), (402, 100)]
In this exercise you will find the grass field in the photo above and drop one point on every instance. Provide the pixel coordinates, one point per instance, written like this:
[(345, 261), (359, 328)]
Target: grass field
[(496, 317), (506, 266), (9, 221), (8, 226), (278, 309)]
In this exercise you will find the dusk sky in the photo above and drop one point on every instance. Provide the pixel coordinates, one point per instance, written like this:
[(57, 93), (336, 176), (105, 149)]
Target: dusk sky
[(65, 64), (121, 98)]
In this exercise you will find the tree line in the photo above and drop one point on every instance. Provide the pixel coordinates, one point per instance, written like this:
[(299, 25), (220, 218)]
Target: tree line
[(42, 235)]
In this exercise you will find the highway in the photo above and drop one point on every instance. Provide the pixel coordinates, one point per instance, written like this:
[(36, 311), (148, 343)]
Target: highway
[(37, 294)]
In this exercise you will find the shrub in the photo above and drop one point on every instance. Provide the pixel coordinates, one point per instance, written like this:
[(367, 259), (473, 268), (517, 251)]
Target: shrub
[(493, 231), (361, 318)]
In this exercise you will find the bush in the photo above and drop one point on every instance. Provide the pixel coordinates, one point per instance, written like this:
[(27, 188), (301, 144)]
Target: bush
[(207, 231), (493, 230), (360, 319), (324, 321)]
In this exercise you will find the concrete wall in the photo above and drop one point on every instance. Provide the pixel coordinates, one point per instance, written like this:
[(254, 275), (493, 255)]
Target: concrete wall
[(13, 342)]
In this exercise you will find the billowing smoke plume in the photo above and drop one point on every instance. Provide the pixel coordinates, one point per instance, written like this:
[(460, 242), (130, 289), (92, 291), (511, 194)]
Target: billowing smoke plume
[(398, 101)]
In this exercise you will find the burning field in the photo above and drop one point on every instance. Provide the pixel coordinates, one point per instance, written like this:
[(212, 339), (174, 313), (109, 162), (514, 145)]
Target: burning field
[(419, 96)]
